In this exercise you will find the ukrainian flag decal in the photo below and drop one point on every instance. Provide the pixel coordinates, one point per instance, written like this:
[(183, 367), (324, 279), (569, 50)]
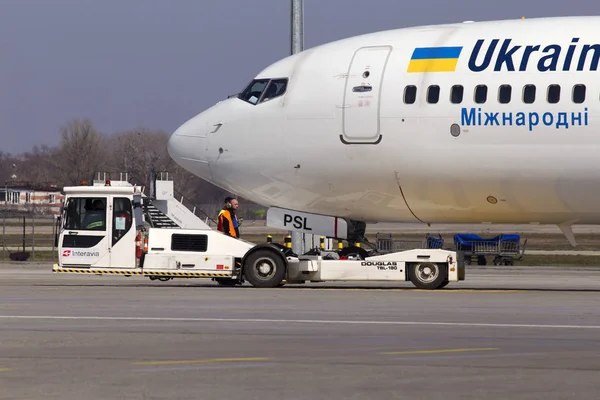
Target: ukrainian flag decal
[(434, 59)]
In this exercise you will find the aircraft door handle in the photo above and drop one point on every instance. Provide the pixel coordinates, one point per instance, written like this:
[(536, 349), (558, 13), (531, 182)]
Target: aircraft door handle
[(364, 88)]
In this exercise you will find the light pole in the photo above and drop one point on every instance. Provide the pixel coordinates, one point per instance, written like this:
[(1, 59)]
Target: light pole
[(296, 46), (297, 26)]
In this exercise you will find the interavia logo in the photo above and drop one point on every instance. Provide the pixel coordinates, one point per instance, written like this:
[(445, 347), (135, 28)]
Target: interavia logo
[(78, 253)]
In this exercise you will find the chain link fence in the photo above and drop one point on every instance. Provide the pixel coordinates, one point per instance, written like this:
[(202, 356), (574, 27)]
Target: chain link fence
[(27, 236)]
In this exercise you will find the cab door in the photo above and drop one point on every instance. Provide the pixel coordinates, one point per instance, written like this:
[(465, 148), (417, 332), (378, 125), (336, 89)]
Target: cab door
[(84, 239), (122, 235), (360, 122)]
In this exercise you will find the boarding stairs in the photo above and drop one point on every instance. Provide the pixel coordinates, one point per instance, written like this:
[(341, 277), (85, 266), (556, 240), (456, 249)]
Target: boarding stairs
[(161, 206), (158, 219)]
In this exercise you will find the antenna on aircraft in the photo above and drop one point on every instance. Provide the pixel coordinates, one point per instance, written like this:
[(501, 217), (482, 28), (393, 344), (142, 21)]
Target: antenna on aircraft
[(297, 27)]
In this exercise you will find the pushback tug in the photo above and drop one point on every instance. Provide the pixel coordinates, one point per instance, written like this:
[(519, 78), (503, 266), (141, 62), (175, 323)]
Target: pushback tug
[(112, 227)]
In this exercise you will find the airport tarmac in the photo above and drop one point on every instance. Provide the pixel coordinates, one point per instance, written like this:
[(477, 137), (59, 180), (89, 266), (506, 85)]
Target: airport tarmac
[(518, 333)]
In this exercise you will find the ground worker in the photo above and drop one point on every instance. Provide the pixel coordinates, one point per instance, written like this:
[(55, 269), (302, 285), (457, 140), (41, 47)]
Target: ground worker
[(228, 222)]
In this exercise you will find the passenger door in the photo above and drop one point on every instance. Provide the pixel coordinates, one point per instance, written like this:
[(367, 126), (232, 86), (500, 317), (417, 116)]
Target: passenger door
[(360, 121), (85, 233)]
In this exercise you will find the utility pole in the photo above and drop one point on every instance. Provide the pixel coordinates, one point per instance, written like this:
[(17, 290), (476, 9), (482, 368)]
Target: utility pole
[(296, 46), (297, 26)]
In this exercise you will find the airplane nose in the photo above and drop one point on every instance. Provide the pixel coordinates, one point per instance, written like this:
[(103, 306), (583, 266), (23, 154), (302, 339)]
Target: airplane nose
[(187, 147), (188, 141), (176, 146)]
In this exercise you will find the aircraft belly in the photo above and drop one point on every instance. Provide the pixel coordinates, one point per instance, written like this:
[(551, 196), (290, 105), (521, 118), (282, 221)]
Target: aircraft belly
[(431, 198), (343, 186), (359, 198), (529, 194)]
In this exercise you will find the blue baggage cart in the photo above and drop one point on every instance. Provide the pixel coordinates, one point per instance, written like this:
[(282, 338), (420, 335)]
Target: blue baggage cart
[(505, 248)]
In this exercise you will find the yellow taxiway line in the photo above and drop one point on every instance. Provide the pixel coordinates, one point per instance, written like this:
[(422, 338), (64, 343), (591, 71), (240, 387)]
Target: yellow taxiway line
[(440, 351), (208, 360)]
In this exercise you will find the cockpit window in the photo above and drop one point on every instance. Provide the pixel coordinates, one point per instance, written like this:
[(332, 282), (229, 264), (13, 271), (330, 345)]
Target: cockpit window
[(254, 90), (261, 90), (275, 89)]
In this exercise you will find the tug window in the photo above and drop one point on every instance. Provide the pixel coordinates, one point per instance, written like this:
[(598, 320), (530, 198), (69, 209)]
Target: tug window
[(86, 213)]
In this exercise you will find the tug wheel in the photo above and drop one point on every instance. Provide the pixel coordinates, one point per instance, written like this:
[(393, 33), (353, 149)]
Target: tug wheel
[(428, 275), (264, 268)]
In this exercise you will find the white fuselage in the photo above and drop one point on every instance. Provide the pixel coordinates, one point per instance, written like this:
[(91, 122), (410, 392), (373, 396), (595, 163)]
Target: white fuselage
[(327, 147)]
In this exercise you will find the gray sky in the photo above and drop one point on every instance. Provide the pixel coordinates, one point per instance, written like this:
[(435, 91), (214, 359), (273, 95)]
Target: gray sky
[(156, 63)]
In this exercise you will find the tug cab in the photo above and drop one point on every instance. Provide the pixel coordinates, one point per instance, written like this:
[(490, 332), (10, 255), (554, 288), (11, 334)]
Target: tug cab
[(97, 227)]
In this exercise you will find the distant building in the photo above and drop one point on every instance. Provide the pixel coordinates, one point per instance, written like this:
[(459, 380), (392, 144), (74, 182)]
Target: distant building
[(45, 199)]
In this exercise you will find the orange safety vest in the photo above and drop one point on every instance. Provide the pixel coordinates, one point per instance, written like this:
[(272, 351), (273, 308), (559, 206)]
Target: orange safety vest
[(225, 223)]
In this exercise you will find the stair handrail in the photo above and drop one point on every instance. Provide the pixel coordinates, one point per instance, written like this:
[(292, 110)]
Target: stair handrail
[(177, 193)]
